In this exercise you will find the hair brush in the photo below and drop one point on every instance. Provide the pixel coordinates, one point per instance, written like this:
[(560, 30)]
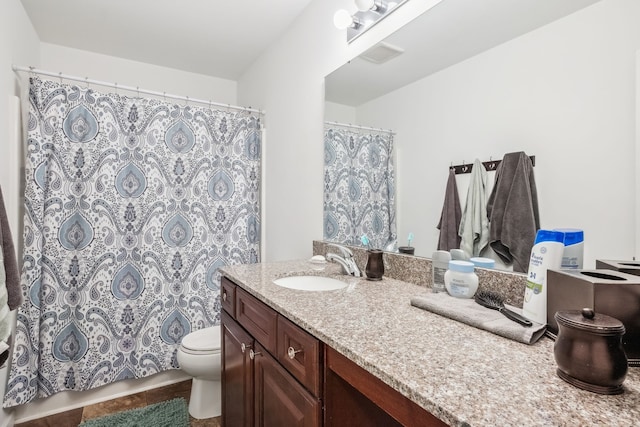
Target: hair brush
[(496, 302)]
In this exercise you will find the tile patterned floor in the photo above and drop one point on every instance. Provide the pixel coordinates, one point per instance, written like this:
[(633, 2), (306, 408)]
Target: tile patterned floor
[(76, 416)]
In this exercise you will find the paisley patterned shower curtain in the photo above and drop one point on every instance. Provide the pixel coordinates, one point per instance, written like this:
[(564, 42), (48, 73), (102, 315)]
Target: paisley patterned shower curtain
[(131, 205), (359, 186)]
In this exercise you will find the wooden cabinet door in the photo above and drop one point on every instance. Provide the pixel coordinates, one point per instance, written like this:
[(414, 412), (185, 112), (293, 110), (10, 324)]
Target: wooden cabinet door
[(279, 399), (237, 374)]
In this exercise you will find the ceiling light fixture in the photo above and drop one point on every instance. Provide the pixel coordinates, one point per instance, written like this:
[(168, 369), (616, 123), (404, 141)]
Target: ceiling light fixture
[(343, 19), (369, 13)]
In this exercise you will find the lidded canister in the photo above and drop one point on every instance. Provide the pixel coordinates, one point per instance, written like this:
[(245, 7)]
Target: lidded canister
[(589, 352)]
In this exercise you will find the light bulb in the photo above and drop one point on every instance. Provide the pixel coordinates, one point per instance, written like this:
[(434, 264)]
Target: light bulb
[(342, 19), (364, 5)]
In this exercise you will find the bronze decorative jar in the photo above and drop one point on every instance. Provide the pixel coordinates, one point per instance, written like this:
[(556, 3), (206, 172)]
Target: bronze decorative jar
[(589, 352)]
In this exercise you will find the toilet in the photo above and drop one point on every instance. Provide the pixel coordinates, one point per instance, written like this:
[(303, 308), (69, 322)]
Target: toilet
[(199, 357)]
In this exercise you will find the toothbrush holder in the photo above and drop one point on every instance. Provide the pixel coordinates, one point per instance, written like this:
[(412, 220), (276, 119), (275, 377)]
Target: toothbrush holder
[(409, 250), (375, 265)]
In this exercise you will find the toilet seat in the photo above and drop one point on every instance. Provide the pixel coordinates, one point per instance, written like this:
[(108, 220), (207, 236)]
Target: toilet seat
[(202, 341)]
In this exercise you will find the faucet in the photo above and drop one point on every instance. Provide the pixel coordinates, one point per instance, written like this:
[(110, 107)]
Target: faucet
[(346, 260)]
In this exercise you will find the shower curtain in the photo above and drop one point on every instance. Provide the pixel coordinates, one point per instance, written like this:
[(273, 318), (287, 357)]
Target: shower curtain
[(131, 205), (359, 186)]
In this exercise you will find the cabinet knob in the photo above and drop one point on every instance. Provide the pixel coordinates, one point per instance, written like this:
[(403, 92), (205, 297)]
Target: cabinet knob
[(253, 354), (224, 296), (291, 352), (244, 347)]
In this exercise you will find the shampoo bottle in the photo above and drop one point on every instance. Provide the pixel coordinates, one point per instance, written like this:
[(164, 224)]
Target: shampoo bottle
[(573, 248), (546, 254)]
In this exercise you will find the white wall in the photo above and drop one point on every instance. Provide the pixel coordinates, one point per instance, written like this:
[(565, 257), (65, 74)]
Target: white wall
[(564, 93), (287, 82), (334, 112), (125, 72), (19, 44)]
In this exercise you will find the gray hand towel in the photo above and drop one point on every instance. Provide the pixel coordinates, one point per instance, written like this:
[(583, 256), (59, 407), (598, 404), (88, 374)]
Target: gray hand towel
[(10, 293), (450, 216), (470, 312), (14, 293), (513, 211)]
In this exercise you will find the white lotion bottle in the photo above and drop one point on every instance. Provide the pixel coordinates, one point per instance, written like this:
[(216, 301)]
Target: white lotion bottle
[(546, 254)]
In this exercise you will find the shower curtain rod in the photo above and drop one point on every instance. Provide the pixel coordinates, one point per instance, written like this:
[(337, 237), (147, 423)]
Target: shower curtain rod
[(349, 125), (89, 81)]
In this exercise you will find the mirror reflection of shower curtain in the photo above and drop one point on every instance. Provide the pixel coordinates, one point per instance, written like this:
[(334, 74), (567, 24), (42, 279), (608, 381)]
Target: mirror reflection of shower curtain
[(359, 186), (131, 205)]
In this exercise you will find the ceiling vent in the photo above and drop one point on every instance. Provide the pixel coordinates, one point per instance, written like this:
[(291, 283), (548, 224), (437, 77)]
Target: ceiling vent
[(380, 53)]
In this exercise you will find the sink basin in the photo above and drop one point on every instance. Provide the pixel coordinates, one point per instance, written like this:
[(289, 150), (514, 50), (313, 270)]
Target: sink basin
[(310, 283)]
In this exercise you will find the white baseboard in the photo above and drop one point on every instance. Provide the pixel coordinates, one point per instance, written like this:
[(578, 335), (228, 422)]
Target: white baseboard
[(68, 400)]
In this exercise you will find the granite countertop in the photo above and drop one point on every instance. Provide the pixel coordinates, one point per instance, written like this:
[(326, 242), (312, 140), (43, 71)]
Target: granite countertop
[(462, 375)]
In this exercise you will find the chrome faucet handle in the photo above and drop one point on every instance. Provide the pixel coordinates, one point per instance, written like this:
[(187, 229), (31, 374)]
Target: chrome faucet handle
[(346, 252)]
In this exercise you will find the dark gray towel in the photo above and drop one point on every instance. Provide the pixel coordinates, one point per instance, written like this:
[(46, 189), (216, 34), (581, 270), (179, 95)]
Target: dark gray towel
[(513, 211), (450, 217), (14, 294)]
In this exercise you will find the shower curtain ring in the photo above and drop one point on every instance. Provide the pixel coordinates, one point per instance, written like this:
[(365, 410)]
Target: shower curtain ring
[(86, 82), (186, 102), (60, 75), (138, 91), (116, 85)]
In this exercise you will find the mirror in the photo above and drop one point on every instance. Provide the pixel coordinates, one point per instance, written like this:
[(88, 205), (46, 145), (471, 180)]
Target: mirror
[(482, 79)]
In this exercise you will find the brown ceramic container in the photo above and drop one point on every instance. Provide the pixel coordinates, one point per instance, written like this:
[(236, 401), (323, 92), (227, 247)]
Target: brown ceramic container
[(589, 352), (375, 265)]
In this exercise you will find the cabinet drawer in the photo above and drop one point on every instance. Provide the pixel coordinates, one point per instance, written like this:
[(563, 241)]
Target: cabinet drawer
[(228, 296), (257, 318), (299, 353)]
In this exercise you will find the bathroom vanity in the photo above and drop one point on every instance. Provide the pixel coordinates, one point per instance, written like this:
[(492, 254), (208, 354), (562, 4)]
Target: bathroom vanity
[(273, 374), (363, 355)]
